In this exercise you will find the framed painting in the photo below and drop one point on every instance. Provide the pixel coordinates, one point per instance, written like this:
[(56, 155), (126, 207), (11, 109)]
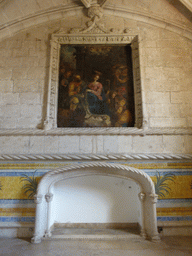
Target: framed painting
[(94, 82)]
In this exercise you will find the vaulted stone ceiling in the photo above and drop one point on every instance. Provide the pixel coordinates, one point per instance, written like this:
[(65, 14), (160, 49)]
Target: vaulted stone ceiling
[(16, 15), (187, 3)]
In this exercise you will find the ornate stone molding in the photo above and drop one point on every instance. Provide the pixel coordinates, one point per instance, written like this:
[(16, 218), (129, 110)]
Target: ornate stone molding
[(88, 3), (187, 3), (48, 177), (153, 198), (142, 196), (83, 36), (49, 197), (148, 210), (10, 28), (95, 13), (38, 198), (151, 19), (94, 157), (95, 131)]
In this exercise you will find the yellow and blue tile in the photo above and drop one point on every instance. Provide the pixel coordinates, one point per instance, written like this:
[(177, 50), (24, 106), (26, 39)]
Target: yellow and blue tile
[(15, 205)]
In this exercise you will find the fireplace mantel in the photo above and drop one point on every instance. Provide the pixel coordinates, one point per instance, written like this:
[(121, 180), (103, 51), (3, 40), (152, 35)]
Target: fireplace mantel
[(45, 194)]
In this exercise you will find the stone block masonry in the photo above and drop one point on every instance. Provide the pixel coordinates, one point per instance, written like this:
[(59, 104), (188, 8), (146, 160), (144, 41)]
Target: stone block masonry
[(165, 63), (165, 67), (101, 144)]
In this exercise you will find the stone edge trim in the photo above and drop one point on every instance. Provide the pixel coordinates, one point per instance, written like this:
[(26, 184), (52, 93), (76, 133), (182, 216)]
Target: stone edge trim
[(93, 157), (96, 131), (12, 27)]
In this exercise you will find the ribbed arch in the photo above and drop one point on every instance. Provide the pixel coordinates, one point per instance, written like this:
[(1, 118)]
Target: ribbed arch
[(12, 27)]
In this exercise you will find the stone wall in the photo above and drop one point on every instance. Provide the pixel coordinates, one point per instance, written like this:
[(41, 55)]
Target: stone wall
[(166, 64)]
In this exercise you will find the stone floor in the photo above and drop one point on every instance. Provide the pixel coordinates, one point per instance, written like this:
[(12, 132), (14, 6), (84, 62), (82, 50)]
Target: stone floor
[(90, 233), (168, 246)]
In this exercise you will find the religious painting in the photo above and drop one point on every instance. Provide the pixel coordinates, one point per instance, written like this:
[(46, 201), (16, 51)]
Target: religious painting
[(95, 86)]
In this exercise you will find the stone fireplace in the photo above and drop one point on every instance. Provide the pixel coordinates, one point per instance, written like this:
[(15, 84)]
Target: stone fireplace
[(48, 196)]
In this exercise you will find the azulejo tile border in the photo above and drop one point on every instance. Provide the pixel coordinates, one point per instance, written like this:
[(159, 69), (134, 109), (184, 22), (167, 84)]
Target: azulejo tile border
[(174, 218), (32, 219), (17, 219), (16, 201), (11, 168)]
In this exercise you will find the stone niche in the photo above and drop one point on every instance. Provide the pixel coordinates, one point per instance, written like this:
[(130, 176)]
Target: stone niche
[(49, 197)]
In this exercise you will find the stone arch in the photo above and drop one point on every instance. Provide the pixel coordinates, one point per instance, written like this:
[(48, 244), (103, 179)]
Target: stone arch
[(44, 196), (29, 21)]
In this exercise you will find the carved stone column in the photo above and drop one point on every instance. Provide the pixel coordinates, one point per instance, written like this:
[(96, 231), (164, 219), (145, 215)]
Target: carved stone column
[(48, 198), (142, 197), (37, 238), (51, 111), (155, 234)]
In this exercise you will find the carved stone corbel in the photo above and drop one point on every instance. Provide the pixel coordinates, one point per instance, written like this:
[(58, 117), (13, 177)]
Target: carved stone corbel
[(142, 196), (95, 24), (95, 13), (38, 199), (153, 198), (48, 197)]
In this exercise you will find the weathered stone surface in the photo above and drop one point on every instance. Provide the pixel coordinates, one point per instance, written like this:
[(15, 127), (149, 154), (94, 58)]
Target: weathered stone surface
[(69, 144), (165, 64), (125, 144), (110, 144), (6, 86), (168, 122), (173, 144), (29, 98), (10, 98), (12, 144), (36, 144), (86, 144), (5, 74), (51, 144), (148, 144)]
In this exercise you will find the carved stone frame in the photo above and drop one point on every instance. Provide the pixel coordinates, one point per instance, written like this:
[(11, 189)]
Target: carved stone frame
[(45, 194), (57, 40)]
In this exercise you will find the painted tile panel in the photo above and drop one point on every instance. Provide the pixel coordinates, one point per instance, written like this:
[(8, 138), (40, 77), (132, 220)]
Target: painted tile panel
[(17, 206)]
